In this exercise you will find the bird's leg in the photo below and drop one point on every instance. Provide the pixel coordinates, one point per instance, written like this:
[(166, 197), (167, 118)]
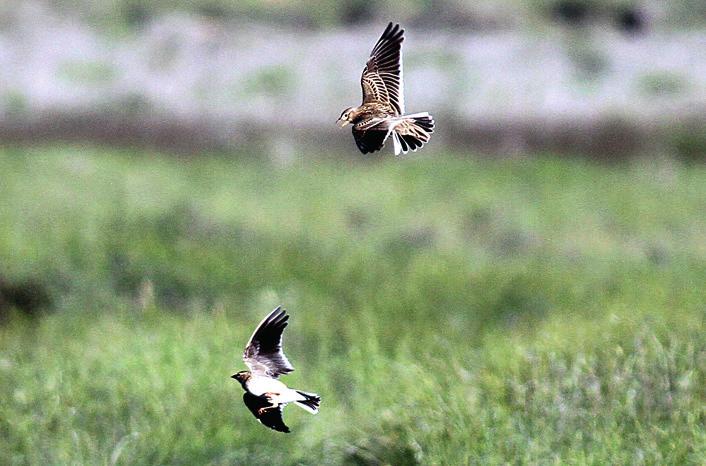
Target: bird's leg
[(268, 396)]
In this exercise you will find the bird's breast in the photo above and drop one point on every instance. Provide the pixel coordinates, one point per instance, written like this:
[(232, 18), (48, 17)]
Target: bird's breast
[(259, 385)]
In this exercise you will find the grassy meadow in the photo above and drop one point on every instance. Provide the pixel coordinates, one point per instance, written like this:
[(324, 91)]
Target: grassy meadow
[(449, 310)]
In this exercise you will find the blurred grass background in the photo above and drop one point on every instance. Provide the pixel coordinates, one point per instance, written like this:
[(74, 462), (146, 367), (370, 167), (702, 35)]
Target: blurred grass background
[(448, 311), (528, 289), (311, 13)]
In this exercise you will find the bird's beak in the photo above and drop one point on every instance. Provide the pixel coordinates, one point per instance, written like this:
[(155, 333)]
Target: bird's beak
[(234, 376), (341, 122)]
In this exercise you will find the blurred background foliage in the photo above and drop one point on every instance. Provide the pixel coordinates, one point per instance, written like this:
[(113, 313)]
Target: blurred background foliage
[(527, 289), (627, 14)]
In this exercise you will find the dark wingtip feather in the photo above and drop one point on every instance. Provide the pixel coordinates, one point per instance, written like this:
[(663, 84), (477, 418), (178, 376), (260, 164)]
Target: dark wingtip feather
[(277, 315), (392, 35), (268, 334), (396, 34), (273, 316)]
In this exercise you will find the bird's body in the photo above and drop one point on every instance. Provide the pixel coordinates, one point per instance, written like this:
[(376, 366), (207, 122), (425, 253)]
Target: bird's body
[(366, 113), (265, 395), (381, 114), (258, 386)]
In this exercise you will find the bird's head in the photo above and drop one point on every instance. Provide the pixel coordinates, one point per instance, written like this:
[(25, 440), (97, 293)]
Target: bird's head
[(346, 117), (241, 377)]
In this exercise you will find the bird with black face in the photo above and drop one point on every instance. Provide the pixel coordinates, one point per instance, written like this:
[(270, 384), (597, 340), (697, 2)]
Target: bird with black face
[(381, 114), (265, 396)]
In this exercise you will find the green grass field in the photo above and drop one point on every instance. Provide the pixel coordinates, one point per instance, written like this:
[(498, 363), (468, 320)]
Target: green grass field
[(448, 310)]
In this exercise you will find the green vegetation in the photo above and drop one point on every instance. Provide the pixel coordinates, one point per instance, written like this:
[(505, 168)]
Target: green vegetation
[(662, 83), (449, 311), (275, 80), (86, 72)]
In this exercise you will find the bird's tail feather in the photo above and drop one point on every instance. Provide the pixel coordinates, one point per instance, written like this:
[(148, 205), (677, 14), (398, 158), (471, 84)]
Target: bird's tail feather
[(412, 132), (310, 402)]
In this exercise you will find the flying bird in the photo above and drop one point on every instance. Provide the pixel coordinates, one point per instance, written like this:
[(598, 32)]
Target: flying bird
[(382, 112), (265, 396)]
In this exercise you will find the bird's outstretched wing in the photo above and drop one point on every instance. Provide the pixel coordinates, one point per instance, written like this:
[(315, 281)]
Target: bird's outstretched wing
[(370, 135), (370, 140), (382, 75), (271, 417), (263, 353)]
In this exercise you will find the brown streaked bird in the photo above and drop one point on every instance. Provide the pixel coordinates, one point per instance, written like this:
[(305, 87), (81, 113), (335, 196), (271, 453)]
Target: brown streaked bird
[(265, 396), (382, 112)]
